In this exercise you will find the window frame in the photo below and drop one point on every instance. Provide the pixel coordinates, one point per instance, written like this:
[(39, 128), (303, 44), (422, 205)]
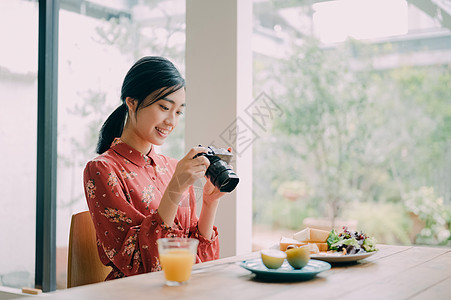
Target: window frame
[(46, 175)]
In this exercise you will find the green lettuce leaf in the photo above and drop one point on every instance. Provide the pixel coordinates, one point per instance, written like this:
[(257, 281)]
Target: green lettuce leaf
[(332, 239), (369, 244), (347, 242)]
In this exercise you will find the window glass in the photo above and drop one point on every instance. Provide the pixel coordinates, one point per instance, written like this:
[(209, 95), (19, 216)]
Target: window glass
[(18, 134), (98, 43), (363, 135)]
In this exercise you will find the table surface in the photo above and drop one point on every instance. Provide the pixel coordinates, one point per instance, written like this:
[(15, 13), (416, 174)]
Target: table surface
[(394, 272)]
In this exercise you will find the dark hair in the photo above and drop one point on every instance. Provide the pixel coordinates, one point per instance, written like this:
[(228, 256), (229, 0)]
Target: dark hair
[(148, 75)]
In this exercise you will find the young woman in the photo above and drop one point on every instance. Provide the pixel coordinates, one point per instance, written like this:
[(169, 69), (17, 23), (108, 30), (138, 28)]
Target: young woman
[(137, 196)]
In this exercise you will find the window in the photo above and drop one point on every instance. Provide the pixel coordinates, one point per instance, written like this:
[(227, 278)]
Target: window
[(364, 135), (98, 43), (18, 133)]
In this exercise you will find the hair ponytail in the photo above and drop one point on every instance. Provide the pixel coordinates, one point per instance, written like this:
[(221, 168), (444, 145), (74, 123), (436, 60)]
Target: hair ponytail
[(112, 128)]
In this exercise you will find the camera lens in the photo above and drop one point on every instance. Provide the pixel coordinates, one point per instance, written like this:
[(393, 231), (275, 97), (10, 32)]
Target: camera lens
[(227, 181), (221, 175)]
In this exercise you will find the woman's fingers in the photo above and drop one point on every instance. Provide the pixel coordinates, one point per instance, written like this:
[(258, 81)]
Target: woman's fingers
[(201, 160), (199, 170), (196, 159), (191, 168), (209, 187), (194, 151)]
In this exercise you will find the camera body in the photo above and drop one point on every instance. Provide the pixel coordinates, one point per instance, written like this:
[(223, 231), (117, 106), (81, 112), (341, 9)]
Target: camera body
[(219, 172)]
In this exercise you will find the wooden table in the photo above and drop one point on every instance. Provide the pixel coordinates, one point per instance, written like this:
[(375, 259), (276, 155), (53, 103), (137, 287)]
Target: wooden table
[(395, 272)]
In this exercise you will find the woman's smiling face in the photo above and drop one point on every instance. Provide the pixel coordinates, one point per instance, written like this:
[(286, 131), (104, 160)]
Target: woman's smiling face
[(152, 124)]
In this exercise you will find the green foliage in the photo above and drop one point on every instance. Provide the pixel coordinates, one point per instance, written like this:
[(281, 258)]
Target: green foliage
[(431, 210), (387, 222), (288, 214), (419, 102), (353, 134), (328, 104)]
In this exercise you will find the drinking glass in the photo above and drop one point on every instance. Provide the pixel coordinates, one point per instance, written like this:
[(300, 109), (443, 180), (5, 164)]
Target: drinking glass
[(177, 256)]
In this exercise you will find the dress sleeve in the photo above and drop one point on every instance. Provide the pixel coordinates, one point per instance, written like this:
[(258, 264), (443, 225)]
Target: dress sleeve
[(122, 231), (126, 238)]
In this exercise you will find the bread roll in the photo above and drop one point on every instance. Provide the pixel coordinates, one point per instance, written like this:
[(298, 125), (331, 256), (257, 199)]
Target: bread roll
[(311, 235)]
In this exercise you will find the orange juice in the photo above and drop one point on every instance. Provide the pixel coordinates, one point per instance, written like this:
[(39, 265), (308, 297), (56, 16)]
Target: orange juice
[(177, 264)]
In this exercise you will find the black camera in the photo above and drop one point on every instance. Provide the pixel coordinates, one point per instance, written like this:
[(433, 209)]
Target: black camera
[(219, 172)]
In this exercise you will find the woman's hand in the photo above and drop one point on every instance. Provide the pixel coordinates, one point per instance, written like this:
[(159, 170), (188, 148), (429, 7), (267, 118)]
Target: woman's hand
[(188, 170), (211, 193)]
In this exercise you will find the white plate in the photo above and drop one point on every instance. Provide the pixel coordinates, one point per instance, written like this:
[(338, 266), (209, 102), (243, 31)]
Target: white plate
[(333, 258)]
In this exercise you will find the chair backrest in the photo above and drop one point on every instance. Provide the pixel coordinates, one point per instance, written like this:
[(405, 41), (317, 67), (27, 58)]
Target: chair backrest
[(84, 265)]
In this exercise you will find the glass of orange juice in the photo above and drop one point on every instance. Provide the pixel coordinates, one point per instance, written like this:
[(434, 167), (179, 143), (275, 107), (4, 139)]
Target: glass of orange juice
[(177, 256)]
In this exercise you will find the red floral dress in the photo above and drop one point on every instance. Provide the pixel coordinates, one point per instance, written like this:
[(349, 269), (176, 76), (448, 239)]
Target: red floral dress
[(123, 189)]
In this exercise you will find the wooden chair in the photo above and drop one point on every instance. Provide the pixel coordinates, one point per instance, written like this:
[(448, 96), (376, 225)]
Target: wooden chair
[(84, 265)]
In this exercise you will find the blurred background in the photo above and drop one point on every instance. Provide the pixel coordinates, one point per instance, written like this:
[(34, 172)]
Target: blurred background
[(356, 108)]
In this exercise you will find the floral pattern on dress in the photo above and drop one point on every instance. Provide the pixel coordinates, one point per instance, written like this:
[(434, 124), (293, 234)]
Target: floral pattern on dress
[(148, 195), (161, 170), (137, 261), (110, 252), (147, 159), (90, 189), (115, 215), (128, 175), (156, 266), (112, 180), (130, 245)]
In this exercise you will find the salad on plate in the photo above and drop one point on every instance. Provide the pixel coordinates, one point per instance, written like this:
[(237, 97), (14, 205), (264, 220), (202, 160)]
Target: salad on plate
[(350, 242)]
